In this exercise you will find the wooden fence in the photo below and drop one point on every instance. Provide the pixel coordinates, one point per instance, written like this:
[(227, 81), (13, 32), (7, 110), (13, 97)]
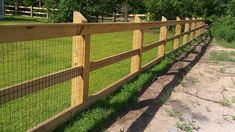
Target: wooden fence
[(115, 17), (79, 72), (26, 11)]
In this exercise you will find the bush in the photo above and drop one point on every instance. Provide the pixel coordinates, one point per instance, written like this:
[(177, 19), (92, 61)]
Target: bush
[(224, 28)]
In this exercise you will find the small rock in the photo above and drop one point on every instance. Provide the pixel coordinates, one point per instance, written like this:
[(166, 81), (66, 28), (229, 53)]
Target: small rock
[(173, 129), (186, 117)]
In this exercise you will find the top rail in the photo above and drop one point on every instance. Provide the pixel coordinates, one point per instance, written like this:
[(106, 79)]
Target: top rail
[(15, 33)]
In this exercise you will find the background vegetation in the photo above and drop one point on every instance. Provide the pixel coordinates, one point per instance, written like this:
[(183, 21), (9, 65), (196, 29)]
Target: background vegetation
[(94, 8)]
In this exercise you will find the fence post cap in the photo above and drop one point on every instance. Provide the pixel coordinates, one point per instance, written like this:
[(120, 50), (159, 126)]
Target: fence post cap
[(78, 17), (164, 18), (178, 18)]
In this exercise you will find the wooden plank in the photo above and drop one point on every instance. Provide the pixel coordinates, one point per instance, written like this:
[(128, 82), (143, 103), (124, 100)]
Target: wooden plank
[(64, 116), (26, 32), (14, 33), (137, 43), (163, 36), (80, 57), (153, 45), (112, 59), (193, 26), (19, 90), (177, 32), (186, 29)]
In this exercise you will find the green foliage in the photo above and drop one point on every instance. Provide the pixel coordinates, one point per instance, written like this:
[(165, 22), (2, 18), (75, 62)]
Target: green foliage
[(65, 10), (231, 8), (223, 56), (184, 8), (100, 114), (225, 102), (224, 28), (186, 126), (174, 113)]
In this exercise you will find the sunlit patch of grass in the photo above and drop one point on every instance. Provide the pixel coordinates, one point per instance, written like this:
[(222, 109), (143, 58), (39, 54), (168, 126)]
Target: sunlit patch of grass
[(223, 56), (225, 44)]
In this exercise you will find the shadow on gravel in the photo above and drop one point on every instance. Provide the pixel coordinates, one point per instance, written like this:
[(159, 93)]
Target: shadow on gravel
[(155, 104)]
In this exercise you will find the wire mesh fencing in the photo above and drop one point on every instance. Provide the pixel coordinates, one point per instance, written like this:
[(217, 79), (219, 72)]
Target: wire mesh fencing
[(28, 60)]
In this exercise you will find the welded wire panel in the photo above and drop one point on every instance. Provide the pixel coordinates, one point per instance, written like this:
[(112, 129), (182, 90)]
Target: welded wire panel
[(106, 45), (23, 62)]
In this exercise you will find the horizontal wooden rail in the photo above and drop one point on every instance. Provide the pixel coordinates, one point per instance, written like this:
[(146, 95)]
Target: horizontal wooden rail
[(64, 116), (153, 45), (180, 35), (16, 91), (112, 59), (51, 123), (16, 33)]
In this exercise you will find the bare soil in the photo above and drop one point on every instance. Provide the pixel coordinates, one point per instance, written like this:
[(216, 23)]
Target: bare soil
[(198, 89)]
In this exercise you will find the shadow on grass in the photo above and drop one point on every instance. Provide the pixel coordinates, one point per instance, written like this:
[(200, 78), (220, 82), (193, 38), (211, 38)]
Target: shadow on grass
[(106, 111)]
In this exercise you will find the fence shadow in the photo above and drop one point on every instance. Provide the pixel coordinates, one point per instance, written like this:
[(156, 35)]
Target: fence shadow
[(139, 125), (155, 104)]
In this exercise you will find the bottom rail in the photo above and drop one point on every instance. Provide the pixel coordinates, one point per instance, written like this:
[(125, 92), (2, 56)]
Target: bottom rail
[(64, 116)]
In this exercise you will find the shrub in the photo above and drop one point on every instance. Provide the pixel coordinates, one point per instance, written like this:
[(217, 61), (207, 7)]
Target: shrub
[(224, 28)]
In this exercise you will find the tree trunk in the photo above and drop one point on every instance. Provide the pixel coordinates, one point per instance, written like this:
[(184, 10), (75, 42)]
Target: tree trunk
[(40, 3)]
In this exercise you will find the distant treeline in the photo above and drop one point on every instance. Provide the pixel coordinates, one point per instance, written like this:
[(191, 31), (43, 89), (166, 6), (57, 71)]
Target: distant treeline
[(156, 8)]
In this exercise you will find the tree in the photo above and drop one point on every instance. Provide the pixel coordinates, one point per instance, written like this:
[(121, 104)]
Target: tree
[(231, 8)]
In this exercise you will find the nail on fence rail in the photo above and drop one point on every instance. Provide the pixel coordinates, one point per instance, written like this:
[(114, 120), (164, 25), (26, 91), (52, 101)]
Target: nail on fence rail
[(81, 32)]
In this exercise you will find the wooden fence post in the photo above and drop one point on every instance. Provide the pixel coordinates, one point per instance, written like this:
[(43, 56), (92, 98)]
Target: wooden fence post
[(197, 25), (31, 11), (193, 24), (186, 29), (138, 36), (177, 32), (163, 36), (81, 57), (114, 17), (201, 24)]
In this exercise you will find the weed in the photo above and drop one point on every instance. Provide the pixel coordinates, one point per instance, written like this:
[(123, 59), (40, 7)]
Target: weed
[(173, 113), (223, 56), (233, 117), (233, 99), (186, 126), (225, 102), (222, 70)]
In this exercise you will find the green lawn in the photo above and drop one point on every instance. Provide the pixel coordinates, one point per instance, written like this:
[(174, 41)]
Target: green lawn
[(30, 59)]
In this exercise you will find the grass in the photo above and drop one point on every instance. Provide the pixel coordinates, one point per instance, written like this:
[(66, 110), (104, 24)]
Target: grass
[(223, 56), (173, 113), (225, 102), (233, 117), (102, 112), (225, 44), (22, 20), (30, 59), (186, 126)]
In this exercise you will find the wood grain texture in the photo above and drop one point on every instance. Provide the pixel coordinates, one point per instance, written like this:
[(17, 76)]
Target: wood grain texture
[(80, 57), (177, 32), (27, 32), (112, 59), (19, 90), (163, 36), (137, 43), (186, 29)]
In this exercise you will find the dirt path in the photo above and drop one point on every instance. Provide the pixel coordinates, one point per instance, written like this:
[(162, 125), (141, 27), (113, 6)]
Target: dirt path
[(199, 93)]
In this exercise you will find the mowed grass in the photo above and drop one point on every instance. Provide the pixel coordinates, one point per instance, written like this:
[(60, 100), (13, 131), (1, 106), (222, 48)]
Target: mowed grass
[(23, 61), (225, 44)]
